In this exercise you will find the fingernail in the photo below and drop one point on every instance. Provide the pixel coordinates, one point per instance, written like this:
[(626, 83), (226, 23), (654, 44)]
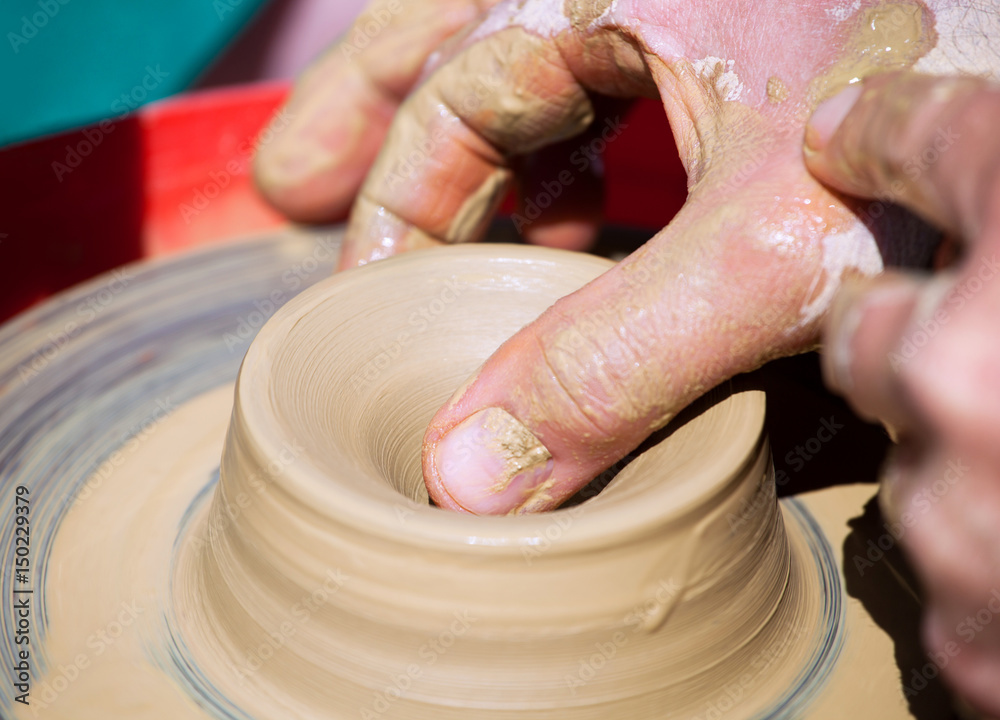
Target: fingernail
[(303, 149), (828, 116), (932, 296), (853, 302), (491, 464), (844, 318), (290, 161), (889, 500)]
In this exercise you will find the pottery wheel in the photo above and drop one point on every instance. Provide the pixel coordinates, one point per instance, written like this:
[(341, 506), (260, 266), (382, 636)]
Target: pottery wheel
[(115, 399)]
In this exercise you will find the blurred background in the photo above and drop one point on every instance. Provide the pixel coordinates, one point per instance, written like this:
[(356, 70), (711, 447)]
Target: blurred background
[(68, 63), (89, 179), (128, 130)]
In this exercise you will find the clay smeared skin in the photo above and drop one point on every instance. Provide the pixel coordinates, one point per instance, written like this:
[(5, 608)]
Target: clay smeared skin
[(525, 88), (740, 276), (312, 171), (315, 569), (744, 273)]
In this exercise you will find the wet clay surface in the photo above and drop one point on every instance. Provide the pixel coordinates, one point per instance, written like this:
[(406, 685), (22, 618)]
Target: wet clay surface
[(748, 268), (312, 579)]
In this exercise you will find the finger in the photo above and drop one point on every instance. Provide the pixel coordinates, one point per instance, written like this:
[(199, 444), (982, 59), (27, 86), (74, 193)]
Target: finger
[(559, 202), (583, 385), (955, 380), (928, 143), (446, 163), (341, 108), (875, 327), (922, 355), (925, 142)]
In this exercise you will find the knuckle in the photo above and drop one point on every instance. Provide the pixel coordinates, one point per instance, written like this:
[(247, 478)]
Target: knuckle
[(596, 369)]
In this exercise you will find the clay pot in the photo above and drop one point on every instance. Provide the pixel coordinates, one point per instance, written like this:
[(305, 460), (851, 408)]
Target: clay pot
[(336, 590)]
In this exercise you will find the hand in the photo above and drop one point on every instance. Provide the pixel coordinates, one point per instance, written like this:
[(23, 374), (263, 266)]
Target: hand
[(922, 353), (744, 273), (342, 106)]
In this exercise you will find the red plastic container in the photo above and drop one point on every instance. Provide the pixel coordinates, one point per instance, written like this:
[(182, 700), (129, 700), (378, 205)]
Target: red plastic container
[(177, 174)]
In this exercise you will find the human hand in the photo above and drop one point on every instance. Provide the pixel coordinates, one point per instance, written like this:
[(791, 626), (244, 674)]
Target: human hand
[(922, 353), (342, 106), (744, 273)]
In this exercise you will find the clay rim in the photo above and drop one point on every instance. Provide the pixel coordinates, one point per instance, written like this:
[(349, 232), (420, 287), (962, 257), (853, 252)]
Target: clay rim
[(738, 443)]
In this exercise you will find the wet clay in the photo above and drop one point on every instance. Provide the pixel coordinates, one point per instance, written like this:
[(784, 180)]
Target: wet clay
[(523, 600), (777, 90), (521, 449), (471, 220), (888, 36), (500, 98), (583, 13), (313, 580)]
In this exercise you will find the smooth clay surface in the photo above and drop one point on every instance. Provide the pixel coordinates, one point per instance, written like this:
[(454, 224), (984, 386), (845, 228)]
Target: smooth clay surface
[(309, 577)]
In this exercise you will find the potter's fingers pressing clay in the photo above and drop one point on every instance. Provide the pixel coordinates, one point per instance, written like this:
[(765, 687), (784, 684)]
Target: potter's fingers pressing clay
[(745, 272), (309, 578), (445, 166), (520, 80), (584, 384), (928, 149), (518, 83), (322, 143), (861, 358), (921, 351)]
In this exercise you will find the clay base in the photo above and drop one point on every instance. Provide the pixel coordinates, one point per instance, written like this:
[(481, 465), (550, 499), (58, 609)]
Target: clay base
[(115, 624)]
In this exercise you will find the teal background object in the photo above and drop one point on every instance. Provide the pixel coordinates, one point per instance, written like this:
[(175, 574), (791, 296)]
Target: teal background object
[(67, 63)]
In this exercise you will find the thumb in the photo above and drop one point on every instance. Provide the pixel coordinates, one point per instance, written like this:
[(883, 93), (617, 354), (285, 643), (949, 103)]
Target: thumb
[(584, 384)]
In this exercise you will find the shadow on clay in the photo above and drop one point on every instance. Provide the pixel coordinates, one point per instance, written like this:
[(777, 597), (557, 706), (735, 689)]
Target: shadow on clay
[(702, 405), (887, 587)]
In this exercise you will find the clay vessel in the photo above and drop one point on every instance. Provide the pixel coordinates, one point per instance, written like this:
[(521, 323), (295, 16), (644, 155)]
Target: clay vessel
[(330, 587)]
